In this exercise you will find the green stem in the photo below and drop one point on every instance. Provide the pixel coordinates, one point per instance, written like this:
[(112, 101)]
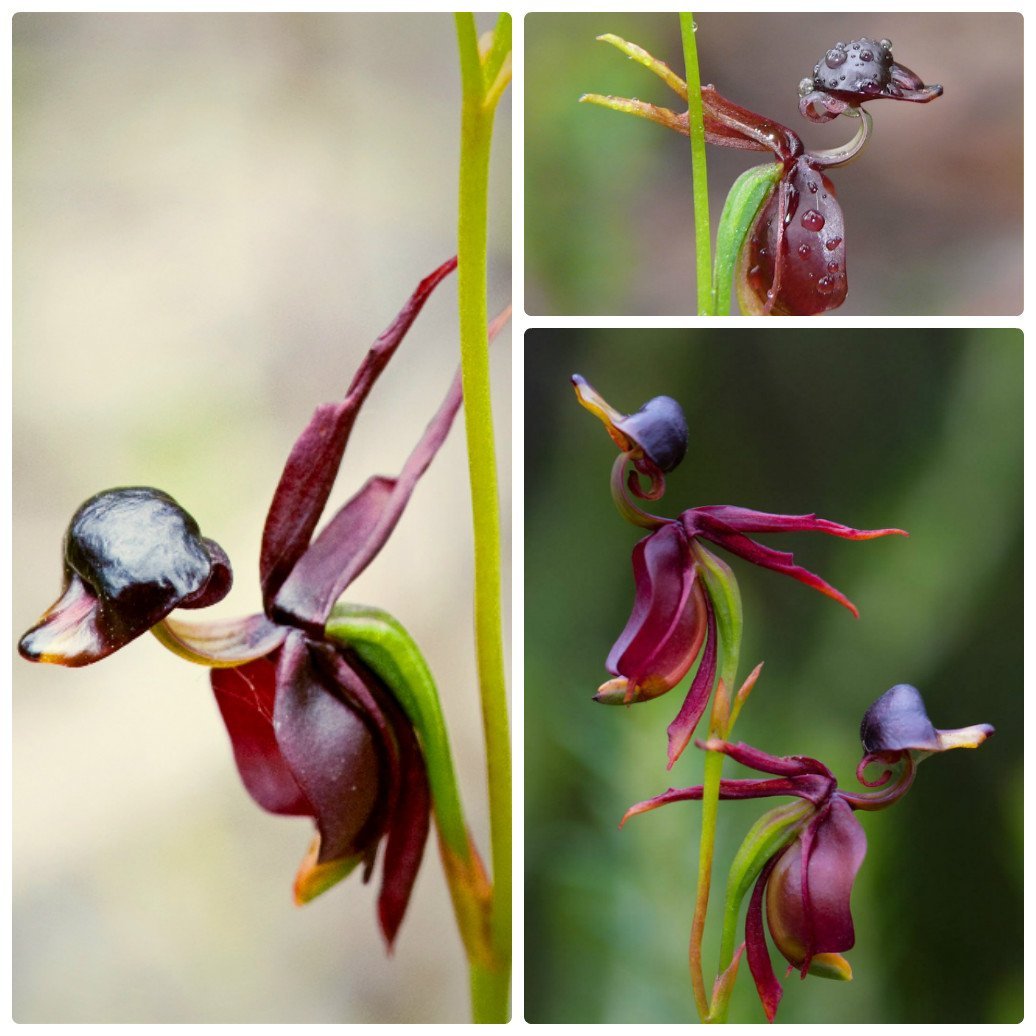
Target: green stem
[(726, 601), (696, 131), (482, 85)]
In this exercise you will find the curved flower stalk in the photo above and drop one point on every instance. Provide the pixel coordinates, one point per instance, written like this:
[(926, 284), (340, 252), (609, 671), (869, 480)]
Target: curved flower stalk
[(673, 623), (782, 231), (803, 859), (346, 733)]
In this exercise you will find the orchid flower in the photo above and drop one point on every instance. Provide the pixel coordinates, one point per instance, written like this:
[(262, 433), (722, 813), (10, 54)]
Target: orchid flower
[(791, 236), (804, 859), (673, 621), (316, 729)]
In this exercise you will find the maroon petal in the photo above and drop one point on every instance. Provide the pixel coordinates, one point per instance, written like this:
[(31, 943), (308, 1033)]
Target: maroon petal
[(245, 696), (811, 787), (682, 728), (783, 766), (766, 984), (407, 801), (808, 895), (667, 626), (359, 530), (407, 833), (793, 260), (332, 753), (730, 125), (745, 520), (778, 561), (314, 460)]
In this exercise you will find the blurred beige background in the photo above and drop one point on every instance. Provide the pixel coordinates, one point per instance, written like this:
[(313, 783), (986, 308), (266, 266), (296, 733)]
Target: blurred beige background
[(214, 216), (933, 205)]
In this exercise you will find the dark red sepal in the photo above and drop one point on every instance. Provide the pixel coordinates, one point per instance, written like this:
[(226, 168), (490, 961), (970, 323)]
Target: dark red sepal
[(314, 460), (355, 535), (245, 696), (759, 964)]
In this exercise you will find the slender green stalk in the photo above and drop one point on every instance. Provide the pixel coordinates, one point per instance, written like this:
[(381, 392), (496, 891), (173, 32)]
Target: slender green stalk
[(482, 83), (726, 600), (699, 173)]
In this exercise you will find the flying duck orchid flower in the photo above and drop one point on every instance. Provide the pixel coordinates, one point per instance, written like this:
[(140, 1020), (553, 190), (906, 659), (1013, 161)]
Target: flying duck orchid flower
[(802, 859), (316, 728), (673, 621), (787, 225)]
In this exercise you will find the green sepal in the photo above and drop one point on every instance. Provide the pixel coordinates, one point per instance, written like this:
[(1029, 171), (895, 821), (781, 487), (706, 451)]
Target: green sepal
[(385, 647), (747, 196), (721, 586)]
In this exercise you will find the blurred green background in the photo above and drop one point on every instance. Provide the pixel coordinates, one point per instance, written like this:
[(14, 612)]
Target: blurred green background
[(214, 216), (920, 429), (933, 205)]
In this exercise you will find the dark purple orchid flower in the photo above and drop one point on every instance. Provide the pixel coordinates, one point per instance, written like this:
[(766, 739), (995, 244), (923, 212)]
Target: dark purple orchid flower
[(807, 881), (673, 623), (792, 262), (862, 70), (314, 732)]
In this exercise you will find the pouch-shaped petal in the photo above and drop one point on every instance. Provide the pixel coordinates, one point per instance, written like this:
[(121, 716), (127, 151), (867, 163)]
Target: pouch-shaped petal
[(132, 555), (793, 260), (807, 896), (245, 696), (667, 626)]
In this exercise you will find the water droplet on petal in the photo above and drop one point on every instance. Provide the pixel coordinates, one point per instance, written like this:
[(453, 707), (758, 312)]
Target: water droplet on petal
[(833, 243), (812, 185), (866, 55), (813, 220), (832, 267), (826, 285), (885, 44), (804, 251), (835, 57)]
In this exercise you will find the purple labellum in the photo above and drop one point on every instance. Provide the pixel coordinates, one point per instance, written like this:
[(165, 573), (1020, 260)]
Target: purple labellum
[(131, 556)]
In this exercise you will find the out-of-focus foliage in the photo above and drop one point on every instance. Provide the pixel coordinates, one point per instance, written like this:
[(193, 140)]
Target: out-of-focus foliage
[(932, 207), (918, 429)]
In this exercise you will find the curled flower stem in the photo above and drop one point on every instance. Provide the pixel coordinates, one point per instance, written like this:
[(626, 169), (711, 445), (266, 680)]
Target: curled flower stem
[(625, 503), (699, 171), (845, 154), (483, 78), (891, 786)]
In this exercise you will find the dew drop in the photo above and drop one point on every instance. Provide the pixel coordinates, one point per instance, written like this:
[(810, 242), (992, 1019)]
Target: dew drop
[(832, 267), (804, 251), (812, 185), (826, 285), (813, 220), (833, 244), (867, 55), (885, 44), (835, 57)]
